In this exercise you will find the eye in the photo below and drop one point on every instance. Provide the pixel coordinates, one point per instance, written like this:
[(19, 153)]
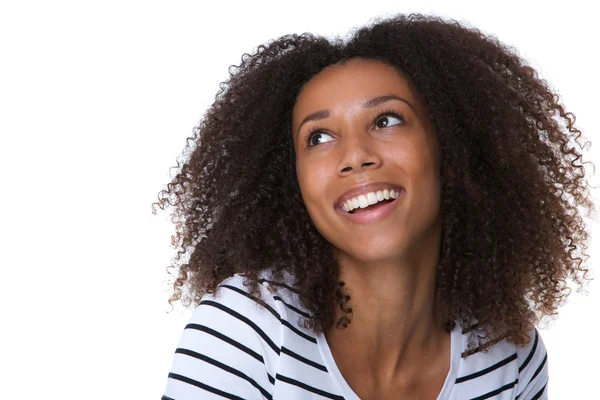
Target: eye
[(384, 119), (315, 137), (387, 118)]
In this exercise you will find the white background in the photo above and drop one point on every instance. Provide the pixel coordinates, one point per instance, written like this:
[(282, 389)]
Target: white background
[(96, 101)]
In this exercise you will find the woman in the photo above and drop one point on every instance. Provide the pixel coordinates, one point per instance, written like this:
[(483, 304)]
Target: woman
[(386, 217)]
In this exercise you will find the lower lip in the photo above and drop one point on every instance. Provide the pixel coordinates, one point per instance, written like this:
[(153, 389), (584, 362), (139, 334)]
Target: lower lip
[(367, 217)]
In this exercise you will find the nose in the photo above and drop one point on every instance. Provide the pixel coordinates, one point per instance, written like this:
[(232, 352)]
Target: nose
[(357, 155)]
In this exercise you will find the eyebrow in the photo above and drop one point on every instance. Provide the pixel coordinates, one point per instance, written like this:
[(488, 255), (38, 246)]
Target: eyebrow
[(370, 103)]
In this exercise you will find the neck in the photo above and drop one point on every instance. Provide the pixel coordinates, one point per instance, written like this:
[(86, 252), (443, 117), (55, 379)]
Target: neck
[(394, 331)]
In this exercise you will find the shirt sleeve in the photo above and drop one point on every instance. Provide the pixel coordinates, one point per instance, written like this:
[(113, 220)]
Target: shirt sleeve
[(227, 350), (533, 369)]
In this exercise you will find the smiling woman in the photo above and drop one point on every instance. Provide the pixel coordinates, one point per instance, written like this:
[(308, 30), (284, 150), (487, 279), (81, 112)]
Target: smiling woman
[(385, 217)]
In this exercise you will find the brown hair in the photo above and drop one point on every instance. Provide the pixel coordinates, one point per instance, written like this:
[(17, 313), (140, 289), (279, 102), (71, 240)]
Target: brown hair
[(513, 185)]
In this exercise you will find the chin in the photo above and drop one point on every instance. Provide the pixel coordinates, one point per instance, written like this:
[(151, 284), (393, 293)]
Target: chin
[(368, 253)]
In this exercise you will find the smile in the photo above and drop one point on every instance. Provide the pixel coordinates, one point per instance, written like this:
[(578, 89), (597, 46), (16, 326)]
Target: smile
[(373, 207), (366, 200)]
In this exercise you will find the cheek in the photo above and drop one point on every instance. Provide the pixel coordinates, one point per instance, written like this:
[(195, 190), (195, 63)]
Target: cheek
[(420, 167), (427, 190), (307, 182), (313, 180)]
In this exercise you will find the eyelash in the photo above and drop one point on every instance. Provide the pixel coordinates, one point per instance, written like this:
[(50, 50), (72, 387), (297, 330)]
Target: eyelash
[(384, 113)]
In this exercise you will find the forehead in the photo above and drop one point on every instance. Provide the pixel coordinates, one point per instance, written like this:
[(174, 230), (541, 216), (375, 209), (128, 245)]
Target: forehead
[(352, 82)]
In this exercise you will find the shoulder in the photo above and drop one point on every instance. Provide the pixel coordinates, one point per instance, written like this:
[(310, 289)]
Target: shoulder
[(230, 346), (500, 366), (234, 311), (533, 368)]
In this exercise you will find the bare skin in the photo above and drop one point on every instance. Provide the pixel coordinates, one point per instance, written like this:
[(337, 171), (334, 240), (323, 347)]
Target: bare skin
[(394, 348)]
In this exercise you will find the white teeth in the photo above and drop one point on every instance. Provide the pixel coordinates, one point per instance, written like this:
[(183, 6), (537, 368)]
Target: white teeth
[(365, 200), (371, 198), (362, 201)]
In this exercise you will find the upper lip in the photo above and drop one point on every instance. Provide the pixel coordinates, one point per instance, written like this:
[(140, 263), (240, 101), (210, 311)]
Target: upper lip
[(364, 189)]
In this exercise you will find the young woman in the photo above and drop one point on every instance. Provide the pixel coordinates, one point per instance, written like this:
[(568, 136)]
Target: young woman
[(386, 217)]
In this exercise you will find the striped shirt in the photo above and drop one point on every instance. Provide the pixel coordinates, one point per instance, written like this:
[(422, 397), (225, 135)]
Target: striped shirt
[(233, 348)]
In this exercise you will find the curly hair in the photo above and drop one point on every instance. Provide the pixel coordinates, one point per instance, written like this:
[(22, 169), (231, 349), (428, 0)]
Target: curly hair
[(513, 185)]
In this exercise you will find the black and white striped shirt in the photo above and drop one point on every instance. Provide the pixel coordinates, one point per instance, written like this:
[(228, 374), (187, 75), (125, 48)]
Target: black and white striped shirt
[(233, 348)]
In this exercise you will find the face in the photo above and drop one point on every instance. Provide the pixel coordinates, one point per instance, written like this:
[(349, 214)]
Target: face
[(362, 139)]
